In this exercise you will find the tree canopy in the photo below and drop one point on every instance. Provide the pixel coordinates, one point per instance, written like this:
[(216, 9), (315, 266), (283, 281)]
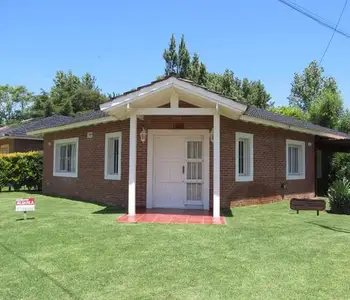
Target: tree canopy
[(179, 62)]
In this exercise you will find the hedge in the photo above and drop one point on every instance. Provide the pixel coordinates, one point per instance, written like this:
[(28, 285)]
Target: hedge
[(19, 170)]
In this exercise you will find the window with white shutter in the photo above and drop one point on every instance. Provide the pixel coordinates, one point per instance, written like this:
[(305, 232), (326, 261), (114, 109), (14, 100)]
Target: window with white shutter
[(295, 159), (244, 156), (113, 144), (66, 158)]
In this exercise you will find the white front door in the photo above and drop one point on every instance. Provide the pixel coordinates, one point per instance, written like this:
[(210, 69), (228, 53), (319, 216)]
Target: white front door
[(178, 180)]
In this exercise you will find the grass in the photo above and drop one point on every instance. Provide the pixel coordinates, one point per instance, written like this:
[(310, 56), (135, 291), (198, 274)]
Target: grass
[(76, 250)]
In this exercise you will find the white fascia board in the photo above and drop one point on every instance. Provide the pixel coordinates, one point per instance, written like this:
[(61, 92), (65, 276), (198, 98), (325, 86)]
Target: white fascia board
[(138, 94), (211, 96), (173, 83), (21, 138), (72, 125), (287, 127)]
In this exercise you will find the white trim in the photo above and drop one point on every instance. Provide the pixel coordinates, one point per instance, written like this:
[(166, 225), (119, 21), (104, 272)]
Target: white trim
[(250, 137), (287, 127), (107, 137), (216, 166), (172, 82), (5, 147), (178, 132), (174, 111), (73, 125), (21, 138), (174, 100), (64, 141), (302, 163), (132, 166)]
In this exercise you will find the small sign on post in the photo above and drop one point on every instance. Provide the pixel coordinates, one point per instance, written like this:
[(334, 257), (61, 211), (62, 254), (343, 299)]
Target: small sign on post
[(25, 205)]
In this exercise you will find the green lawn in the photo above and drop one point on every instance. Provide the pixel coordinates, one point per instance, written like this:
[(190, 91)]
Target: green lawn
[(76, 250)]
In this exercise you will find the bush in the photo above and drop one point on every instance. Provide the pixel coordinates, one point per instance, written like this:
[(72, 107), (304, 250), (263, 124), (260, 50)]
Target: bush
[(340, 167), (21, 169), (339, 196)]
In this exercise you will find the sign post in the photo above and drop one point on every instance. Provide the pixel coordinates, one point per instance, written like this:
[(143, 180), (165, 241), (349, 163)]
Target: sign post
[(25, 205)]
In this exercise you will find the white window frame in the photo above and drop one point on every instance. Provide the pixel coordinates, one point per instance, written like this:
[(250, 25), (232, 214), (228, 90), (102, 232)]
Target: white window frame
[(250, 137), (65, 141), (107, 137), (302, 160), (5, 147)]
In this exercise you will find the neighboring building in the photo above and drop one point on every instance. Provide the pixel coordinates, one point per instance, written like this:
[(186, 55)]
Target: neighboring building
[(15, 139), (175, 144)]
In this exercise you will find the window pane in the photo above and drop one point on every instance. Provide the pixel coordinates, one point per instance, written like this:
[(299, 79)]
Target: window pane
[(113, 156), (294, 159), (244, 157)]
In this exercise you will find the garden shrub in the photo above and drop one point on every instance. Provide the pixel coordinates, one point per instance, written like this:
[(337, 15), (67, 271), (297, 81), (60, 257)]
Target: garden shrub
[(339, 196), (340, 166), (21, 170)]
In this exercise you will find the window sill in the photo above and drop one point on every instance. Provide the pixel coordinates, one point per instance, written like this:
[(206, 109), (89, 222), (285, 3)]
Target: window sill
[(295, 177), (244, 178), (112, 177), (65, 174)]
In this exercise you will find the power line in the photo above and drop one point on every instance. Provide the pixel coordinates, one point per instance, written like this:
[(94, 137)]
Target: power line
[(315, 17), (331, 39)]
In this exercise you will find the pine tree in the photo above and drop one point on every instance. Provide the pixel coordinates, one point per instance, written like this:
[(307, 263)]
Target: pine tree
[(184, 60), (170, 57), (67, 108), (48, 109), (195, 68)]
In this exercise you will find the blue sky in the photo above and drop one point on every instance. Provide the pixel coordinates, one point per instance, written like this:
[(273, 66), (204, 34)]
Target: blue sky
[(121, 42)]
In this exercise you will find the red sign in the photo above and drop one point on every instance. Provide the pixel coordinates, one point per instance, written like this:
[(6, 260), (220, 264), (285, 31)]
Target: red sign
[(27, 204), (28, 201)]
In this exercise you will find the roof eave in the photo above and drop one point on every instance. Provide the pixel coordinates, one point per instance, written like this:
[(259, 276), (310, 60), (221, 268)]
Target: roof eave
[(72, 125), (29, 137), (288, 127)]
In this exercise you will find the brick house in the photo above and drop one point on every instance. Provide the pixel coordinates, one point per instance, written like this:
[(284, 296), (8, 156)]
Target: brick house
[(15, 138), (174, 144)]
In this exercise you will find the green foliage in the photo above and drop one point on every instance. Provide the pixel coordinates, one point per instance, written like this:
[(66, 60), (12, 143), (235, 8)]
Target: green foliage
[(340, 166), (170, 57), (326, 108), (180, 63), (339, 196), (21, 169), (343, 123), (15, 102), (290, 111), (307, 86)]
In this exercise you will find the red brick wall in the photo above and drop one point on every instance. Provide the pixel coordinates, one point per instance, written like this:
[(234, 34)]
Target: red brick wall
[(22, 145), (7, 142), (269, 162)]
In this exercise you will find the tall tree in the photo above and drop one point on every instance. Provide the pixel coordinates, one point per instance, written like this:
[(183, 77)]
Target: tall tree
[(184, 60), (15, 102), (326, 108), (170, 57), (182, 64), (307, 86)]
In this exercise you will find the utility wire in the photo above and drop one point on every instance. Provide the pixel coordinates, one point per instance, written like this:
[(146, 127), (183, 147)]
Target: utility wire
[(316, 17), (335, 29)]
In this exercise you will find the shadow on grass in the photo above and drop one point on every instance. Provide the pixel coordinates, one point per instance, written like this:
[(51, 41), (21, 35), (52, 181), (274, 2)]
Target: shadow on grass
[(43, 273), (337, 229), (110, 210), (23, 219), (227, 213)]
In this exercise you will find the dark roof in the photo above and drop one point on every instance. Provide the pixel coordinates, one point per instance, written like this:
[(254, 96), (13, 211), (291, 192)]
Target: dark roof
[(251, 111), (20, 130), (263, 114)]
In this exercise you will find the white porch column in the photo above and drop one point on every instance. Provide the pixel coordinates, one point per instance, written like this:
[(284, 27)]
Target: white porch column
[(216, 169), (132, 165)]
